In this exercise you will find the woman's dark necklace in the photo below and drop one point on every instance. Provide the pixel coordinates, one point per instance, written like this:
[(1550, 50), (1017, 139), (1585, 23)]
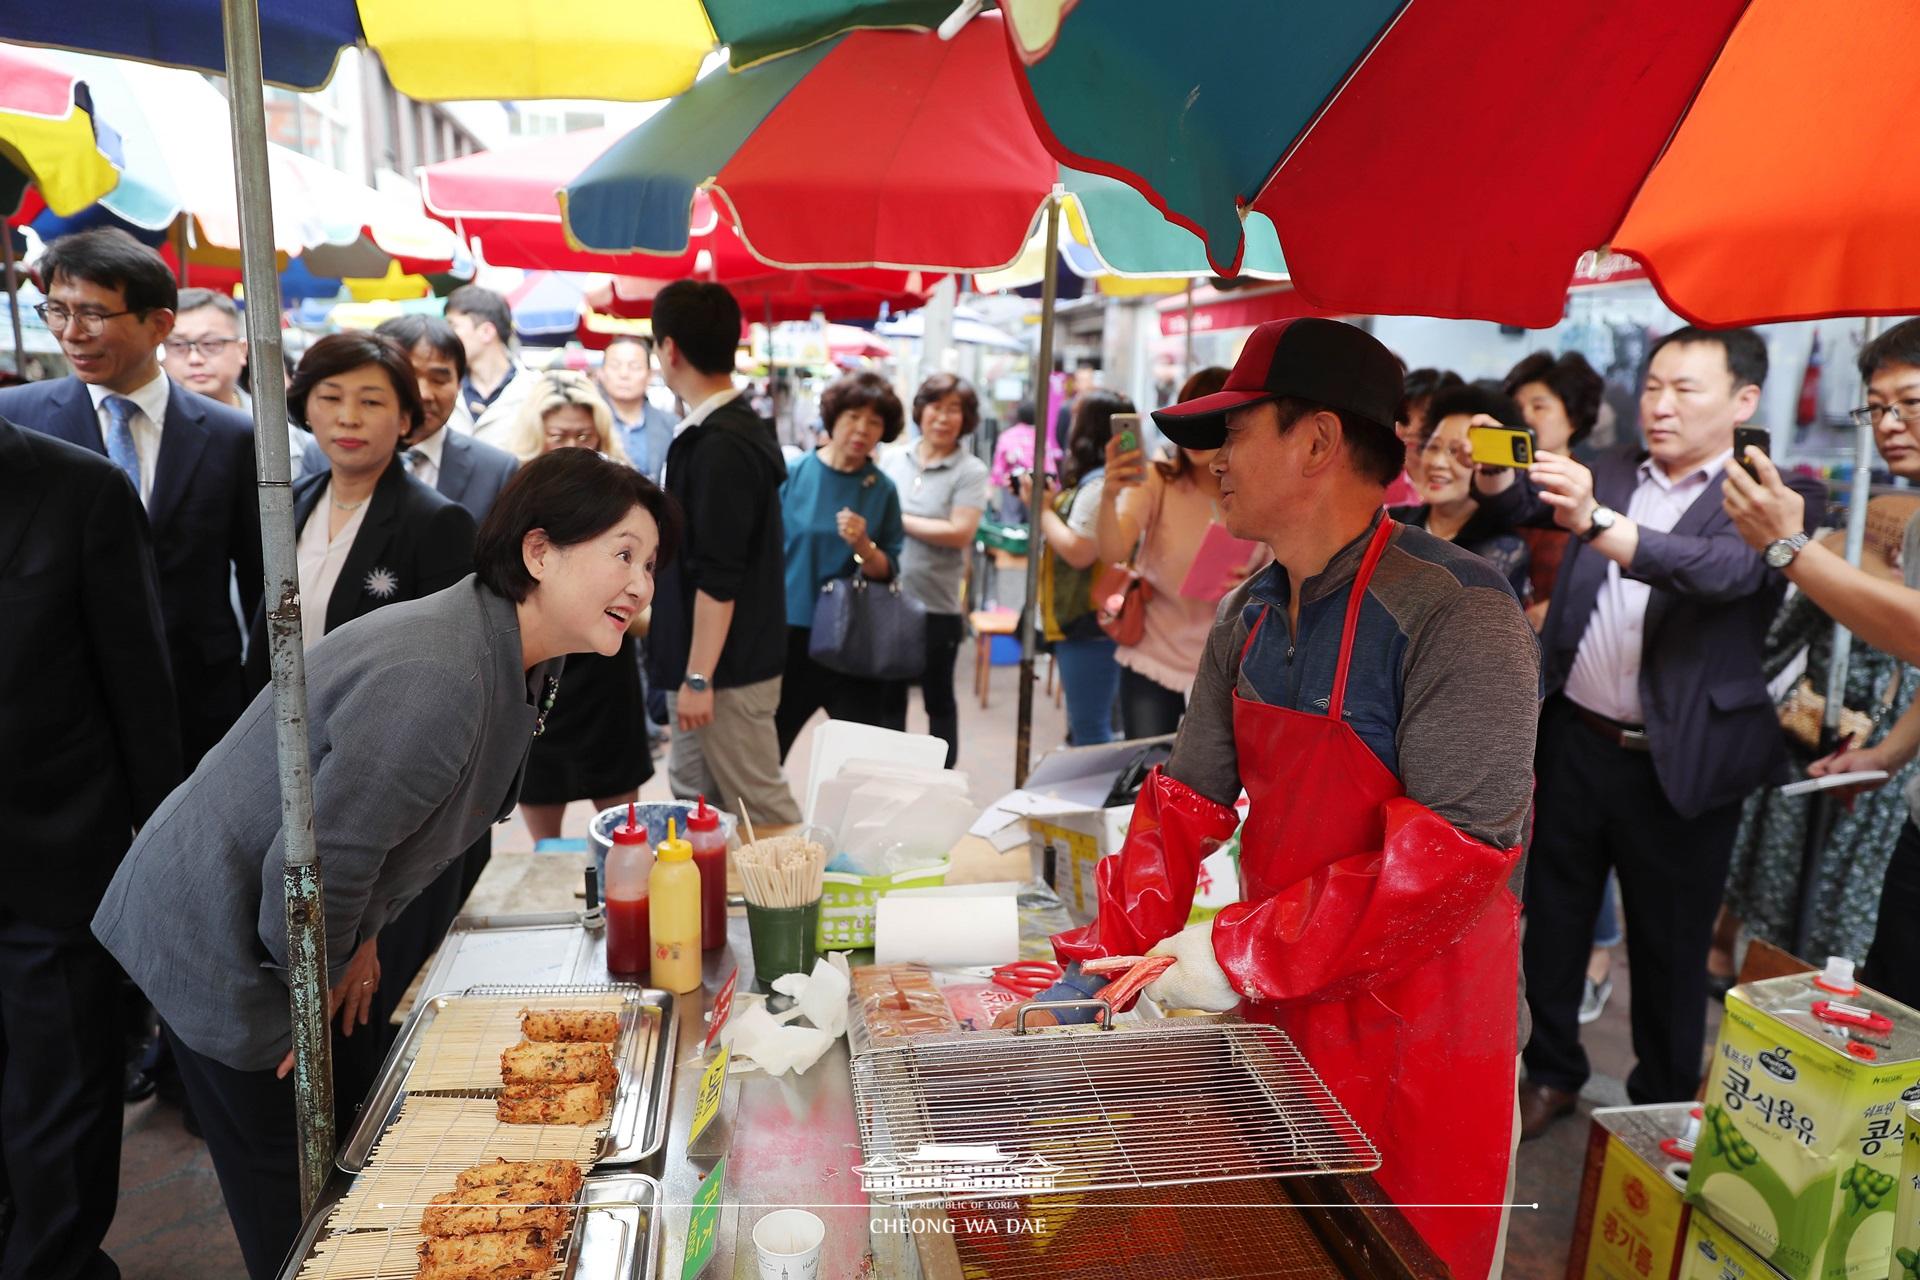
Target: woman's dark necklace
[(548, 693)]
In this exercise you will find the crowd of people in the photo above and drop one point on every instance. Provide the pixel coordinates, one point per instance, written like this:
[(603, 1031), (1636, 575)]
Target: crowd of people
[(517, 556)]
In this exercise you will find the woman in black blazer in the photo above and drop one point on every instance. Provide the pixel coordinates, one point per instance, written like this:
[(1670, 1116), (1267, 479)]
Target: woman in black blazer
[(366, 533)]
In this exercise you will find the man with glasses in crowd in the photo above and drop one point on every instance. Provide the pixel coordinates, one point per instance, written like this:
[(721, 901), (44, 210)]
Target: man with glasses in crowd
[(207, 352), (1771, 517), (110, 303), (1657, 721)]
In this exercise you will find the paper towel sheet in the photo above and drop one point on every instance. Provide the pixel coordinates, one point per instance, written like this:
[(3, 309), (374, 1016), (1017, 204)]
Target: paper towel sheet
[(946, 931)]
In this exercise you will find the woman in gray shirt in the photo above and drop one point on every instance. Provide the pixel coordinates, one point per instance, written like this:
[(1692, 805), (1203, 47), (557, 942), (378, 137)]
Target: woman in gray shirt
[(419, 720), (943, 490)]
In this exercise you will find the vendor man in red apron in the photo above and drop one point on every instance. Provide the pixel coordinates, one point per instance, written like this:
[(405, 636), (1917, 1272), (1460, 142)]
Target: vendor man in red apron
[(1374, 691)]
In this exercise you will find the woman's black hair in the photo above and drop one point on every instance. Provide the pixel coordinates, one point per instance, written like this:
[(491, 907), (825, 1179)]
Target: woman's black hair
[(1202, 382), (1573, 381), (575, 495), (1469, 400), (1092, 428), (939, 387), (863, 391), (337, 353), (437, 335), (112, 259)]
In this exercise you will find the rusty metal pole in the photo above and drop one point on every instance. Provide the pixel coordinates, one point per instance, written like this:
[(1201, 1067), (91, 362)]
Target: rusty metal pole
[(1036, 544), (306, 915)]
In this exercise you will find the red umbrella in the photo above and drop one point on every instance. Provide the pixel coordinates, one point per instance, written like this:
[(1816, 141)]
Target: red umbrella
[(505, 202)]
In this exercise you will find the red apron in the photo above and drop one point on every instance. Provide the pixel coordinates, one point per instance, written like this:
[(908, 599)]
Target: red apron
[(1374, 961)]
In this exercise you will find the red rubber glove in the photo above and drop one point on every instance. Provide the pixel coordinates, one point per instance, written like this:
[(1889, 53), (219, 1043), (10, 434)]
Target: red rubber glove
[(1366, 919), (1146, 890)]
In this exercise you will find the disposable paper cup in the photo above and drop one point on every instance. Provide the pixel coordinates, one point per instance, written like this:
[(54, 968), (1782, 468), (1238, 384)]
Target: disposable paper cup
[(787, 1244), (783, 940)]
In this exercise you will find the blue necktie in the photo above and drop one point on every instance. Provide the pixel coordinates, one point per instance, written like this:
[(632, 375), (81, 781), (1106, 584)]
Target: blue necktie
[(120, 411)]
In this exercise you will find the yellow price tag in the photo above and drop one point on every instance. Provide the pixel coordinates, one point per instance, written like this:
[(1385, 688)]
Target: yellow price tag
[(713, 1082)]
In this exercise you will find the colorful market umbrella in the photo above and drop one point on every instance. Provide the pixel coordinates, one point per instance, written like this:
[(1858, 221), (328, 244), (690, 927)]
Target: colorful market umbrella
[(1453, 157), (505, 202), (948, 174), (49, 137), (437, 50), (179, 186)]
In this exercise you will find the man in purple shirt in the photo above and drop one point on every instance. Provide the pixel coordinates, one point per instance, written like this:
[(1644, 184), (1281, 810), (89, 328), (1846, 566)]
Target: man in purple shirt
[(1657, 720)]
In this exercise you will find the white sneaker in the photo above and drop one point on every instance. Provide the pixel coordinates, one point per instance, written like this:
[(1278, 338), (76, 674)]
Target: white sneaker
[(1593, 1002)]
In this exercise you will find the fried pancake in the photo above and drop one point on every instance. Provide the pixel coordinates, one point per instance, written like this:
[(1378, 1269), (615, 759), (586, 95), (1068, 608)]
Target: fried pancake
[(575, 1025), (561, 1177), (581, 1104), (493, 1255), (535, 1062)]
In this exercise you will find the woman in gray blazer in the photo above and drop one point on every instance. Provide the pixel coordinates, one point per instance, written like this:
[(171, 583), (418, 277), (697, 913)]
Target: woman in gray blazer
[(420, 716)]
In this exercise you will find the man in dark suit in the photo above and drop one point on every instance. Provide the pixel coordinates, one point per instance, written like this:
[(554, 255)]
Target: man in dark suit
[(1657, 722), (467, 471), (89, 747), (110, 303)]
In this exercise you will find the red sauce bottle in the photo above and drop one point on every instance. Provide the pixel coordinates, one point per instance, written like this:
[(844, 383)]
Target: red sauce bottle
[(629, 863), (710, 855)]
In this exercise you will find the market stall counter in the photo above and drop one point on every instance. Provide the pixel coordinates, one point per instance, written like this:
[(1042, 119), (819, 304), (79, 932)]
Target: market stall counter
[(796, 1141)]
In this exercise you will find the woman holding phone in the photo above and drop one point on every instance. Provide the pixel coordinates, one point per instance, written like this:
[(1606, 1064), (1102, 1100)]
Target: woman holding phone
[(1159, 515)]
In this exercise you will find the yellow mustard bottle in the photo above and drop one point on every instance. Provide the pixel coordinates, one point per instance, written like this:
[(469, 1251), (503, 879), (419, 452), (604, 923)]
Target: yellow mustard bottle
[(673, 915)]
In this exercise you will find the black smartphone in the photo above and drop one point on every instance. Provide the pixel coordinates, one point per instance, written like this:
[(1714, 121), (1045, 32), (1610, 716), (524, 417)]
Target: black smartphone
[(1756, 437)]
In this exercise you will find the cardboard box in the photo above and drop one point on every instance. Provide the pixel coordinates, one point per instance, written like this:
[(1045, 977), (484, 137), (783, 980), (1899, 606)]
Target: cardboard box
[(1906, 1226), (1632, 1222), (1714, 1253), (1800, 1148)]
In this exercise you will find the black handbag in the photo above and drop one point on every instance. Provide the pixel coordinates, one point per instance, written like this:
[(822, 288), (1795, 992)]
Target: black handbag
[(869, 629)]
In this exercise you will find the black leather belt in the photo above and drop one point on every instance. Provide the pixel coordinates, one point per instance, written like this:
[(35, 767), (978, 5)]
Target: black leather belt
[(1628, 737)]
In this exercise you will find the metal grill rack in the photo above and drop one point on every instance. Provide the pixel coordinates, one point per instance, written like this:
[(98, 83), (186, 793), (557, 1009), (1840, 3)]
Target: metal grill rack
[(1185, 1100)]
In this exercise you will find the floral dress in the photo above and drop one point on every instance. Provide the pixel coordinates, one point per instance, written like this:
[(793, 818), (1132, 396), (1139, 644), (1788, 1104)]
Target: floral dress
[(1763, 883)]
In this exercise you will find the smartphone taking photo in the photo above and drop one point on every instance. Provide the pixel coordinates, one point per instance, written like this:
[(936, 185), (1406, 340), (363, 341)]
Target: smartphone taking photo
[(1501, 446), (1756, 437), (1126, 429)]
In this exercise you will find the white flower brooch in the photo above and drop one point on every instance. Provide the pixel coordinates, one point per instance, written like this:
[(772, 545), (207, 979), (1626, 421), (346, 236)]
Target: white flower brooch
[(382, 583)]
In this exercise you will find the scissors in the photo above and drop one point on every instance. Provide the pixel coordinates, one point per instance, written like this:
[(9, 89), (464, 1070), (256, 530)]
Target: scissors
[(1028, 977)]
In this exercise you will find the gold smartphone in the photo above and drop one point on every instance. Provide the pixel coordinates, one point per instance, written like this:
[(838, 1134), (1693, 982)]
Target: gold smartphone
[(1501, 446)]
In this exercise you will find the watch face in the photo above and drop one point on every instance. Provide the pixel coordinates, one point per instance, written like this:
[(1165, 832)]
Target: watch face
[(1780, 554)]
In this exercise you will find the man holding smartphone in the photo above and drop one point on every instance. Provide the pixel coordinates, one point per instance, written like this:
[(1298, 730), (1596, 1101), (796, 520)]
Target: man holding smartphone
[(1657, 721), (1769, 514), (1339, 687)]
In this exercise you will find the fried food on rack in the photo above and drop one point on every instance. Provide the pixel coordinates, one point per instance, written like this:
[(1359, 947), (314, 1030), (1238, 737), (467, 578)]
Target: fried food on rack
[(575, 1025), (531, 1062), (560, 1179), (494, 1255), (511, 1206), (582, 1104)]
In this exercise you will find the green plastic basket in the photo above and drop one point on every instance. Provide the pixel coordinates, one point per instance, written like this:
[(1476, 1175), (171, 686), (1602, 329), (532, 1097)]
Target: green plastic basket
[(1010, 538), (847, 901)]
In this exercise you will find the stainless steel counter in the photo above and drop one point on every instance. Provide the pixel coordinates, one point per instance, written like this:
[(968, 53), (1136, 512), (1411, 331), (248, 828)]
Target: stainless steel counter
[(789, 1142)]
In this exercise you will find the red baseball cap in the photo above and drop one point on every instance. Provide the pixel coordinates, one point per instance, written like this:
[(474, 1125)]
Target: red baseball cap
[(1327, 362)]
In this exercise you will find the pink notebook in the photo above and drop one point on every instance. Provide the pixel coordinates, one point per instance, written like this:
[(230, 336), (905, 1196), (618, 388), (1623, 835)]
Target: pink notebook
[(1217, 563)]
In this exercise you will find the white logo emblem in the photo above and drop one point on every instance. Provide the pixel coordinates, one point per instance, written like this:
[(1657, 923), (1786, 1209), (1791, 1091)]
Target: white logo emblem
[(940, 1169), (382, 583)]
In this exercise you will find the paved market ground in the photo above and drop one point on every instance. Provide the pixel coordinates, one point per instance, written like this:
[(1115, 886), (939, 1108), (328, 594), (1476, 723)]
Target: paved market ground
[(172, 1225)]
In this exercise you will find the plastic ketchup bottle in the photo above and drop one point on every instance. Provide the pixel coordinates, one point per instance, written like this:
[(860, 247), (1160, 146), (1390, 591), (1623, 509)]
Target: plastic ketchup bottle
[(629, 863), (673, 911), (710, 855)]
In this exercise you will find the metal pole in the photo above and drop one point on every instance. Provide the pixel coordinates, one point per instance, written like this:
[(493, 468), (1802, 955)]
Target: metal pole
[(1036, 545), (306, 915), (13, 301), (1820, 814)]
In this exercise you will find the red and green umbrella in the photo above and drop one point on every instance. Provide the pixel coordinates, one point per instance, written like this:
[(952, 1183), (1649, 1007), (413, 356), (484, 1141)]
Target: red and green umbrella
[(505, 202), (1454, 157)]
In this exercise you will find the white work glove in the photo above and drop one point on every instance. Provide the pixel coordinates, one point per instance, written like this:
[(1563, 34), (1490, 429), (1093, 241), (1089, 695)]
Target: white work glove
[(1196, 980)]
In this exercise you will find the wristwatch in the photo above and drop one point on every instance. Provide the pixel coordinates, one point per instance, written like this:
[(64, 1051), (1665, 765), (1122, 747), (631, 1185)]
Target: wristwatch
[(698, 683), (1601, 521), (1780, 554)]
